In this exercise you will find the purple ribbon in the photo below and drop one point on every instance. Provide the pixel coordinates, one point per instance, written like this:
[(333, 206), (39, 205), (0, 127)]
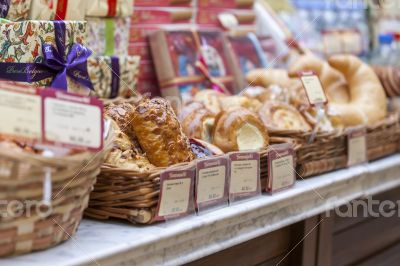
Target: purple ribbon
[(4, 8), (115, 77), (55, 64)]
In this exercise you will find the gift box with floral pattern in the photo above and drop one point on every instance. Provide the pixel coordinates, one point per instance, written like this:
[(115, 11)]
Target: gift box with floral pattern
[(14, 10), (108, 36), (109, 8), (113, 76), (58, 9), (45, 53)]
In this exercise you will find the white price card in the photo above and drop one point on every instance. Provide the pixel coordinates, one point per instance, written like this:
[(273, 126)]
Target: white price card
[(281, 167), (356, 146), (312, 85), (176, 193), (244, 181), (48, 116), (21, 113), (211, 182)]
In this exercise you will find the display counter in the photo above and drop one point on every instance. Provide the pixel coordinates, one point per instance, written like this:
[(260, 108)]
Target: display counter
[(194, 237)]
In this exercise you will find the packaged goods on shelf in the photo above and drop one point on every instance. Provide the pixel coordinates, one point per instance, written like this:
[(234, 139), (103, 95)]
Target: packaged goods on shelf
[(108, 36), (15, 10), (58, 10), (113, 76), (246, 4), (211, 16), (106, 8), (36, 52), (140, 49), (188, 61), (162, 15), (163, 3)]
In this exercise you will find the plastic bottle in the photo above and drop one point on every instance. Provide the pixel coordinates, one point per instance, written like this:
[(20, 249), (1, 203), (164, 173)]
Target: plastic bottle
[(384, 54)]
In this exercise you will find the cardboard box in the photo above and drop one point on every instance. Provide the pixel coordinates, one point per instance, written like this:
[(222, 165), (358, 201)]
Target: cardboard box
[(108, 36), (107, 8)]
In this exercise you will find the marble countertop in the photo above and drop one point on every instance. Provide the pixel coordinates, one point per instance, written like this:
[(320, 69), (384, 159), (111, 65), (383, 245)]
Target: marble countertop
[(188, 239)]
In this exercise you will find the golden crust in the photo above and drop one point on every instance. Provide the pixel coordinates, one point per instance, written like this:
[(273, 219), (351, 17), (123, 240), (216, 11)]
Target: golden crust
[(282, 116), (227, 125), (160, 134)]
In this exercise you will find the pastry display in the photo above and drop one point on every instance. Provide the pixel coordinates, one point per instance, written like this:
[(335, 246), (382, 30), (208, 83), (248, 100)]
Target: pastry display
[(239, 129), (270, 93), (160, 134), (210, 99), (197, 121), (390, 79), (282, 116), (204, 149)]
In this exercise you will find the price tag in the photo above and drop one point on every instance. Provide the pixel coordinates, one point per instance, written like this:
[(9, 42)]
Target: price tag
[(72, 120), (228, 20), (176, 193), (357, 146), (21, 113), (211, 182), (312, 85), (51, 117), (244, 181), (281, 167)]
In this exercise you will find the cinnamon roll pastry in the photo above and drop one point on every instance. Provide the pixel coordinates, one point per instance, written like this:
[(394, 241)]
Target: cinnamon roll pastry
[(282, 116), (239, 129)]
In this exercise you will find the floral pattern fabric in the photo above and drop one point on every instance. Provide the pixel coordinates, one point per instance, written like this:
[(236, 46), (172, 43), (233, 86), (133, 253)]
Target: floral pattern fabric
[(17, 9), (101, 72)]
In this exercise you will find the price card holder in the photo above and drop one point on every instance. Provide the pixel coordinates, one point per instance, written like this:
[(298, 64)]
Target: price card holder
[(356, 146), (176, 193), (47, 116), (281, 167), (316, 97), (244, 176), (71, 120), (211, 190)]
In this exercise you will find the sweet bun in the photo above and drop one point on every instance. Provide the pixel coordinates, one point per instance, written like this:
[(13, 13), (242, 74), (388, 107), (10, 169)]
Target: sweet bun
[(198, 123), (267, 77), (366, 92), (239, 129), (160, 134), (282, 116), (230, 102), (271, 93), (210, 100)]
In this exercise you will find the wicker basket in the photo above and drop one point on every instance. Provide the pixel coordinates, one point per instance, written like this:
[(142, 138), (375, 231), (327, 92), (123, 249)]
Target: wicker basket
[(26, 224), (129, 195), (383, 138)]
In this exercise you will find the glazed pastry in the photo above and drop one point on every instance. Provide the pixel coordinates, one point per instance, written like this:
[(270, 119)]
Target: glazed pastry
[(229, 102), (271, 93), (210, 100), (282, 116), (121, 113), (199, 125), (239, 129), (160, 134), (124, 154)]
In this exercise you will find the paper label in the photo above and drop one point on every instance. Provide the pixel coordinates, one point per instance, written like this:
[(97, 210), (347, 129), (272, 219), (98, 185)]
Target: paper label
[(176, 193), (21, 114), (312, 85), (228, 20), (211, 187), (281, 167), (51, 117), (244, 174), (357, 146)]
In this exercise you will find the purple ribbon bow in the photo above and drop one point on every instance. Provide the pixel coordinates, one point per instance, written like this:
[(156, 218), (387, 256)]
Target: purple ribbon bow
[(4, 8), (56, 65)]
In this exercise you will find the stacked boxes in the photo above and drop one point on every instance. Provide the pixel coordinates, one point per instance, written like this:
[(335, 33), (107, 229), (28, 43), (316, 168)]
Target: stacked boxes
[(148, 17)]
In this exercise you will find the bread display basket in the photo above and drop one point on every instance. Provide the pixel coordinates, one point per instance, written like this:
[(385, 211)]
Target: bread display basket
[(125, 194), (28, 222)]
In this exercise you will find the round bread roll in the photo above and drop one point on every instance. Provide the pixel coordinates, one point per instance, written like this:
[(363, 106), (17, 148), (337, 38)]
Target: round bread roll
[(282, 116), (271, 93), (239, 129), (366, 92)]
